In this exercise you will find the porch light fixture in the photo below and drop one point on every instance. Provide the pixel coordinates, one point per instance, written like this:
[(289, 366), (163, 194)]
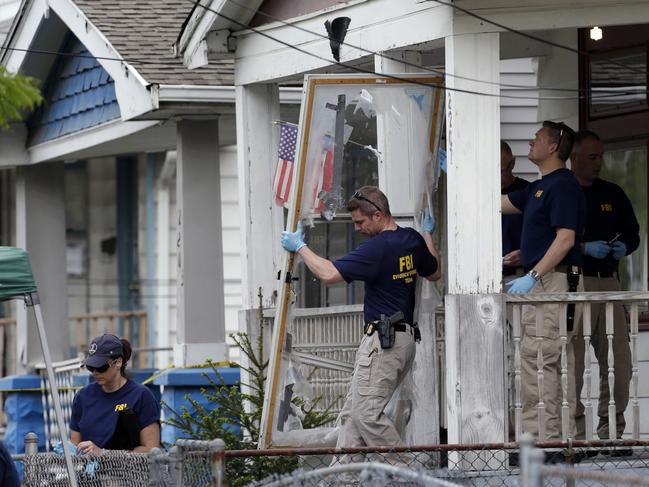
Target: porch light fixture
[(596, 33)]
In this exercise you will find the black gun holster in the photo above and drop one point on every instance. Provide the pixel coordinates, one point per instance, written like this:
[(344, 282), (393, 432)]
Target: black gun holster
[(573, 283), (385, 327)]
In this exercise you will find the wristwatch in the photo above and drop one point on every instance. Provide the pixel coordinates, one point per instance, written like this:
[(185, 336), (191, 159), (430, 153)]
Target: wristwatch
[(534, 275)]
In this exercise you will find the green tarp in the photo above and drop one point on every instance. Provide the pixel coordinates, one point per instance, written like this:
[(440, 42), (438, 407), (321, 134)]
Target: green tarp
[(16, 276)]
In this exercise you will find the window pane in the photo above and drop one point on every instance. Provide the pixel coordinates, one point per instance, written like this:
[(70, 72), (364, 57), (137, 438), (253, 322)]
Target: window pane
[(610, 81), (628, 169)]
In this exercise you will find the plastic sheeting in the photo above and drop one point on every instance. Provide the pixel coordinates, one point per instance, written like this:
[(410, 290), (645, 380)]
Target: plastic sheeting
[(394, 125)]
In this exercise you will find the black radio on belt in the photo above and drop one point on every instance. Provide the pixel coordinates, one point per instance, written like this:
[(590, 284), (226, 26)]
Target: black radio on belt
[(385, 327)]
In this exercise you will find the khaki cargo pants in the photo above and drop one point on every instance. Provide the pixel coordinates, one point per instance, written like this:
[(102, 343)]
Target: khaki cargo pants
[(377, 373), (621, 360), (552, 282)]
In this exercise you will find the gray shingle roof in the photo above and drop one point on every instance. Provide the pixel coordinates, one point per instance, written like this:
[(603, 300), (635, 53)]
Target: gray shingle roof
[(146, 30)]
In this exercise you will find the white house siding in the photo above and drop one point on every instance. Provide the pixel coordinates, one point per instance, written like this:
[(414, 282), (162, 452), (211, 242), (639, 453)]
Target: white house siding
[(519, 117)]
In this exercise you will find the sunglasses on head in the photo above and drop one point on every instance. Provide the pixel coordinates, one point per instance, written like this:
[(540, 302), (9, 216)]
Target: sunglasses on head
[(560, 126), (101, 369), (359, 196)]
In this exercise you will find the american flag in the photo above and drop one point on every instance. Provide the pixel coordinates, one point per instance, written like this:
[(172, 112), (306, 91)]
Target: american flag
[(284, 169), (325, 181)]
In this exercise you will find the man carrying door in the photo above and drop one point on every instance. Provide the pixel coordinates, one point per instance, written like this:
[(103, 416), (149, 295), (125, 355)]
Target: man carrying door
[(611, 234), (553, 210), (388, 262)]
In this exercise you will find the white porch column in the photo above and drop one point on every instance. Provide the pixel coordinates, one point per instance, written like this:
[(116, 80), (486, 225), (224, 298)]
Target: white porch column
[(261, 219), (474, 315), (200, 328), (40, 229)]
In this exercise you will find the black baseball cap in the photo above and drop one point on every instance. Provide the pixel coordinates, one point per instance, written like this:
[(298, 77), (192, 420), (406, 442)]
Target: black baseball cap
[(103, 349)]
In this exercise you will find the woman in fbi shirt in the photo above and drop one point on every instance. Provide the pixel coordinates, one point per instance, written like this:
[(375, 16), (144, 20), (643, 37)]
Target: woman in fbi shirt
[(114, 412)]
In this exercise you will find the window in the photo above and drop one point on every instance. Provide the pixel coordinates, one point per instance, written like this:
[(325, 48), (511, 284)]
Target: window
[(618, 82), (627, 167)]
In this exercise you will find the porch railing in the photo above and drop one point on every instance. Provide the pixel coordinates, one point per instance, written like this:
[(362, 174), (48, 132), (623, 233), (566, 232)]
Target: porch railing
[(583, 302), (327, 339), (86, 326)]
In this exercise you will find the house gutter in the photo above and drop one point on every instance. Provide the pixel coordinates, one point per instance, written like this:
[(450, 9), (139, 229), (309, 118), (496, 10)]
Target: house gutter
[(212, 94)]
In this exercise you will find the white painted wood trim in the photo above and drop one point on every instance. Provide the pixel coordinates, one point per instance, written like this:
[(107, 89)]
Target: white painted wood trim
[(261, 219), (380, 25), (192, 44), (35, 12), (130, 87), (69, 144), (163, 262), (216, 94)]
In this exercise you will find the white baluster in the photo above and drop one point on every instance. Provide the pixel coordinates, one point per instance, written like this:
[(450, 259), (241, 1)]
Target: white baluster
[(563, 335), (635, 405), (588, 380), (518, 404), (540, 316), (612, 423)]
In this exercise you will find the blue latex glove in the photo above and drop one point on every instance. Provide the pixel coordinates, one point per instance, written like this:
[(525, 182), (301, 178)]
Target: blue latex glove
[(91, 467), (521, 285), (293, 241), (428, 223), (58, 448), (598, 249), (619, 250), (441, 154)]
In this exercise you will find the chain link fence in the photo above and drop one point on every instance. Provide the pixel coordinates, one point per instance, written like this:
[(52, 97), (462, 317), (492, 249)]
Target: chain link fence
[(189, 463), (194, 463), (466, 465)]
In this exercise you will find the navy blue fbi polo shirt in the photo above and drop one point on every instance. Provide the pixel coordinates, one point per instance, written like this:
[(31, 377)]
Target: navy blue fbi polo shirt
[(388, 263), (512, 225), (552, 202), (95, 412), (609, 212)]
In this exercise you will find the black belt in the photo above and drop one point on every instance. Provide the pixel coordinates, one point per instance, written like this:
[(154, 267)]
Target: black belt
[(397, 327), (600, 273), (560, 268)]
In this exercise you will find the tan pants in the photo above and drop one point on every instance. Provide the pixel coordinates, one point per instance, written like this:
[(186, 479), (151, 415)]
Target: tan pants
[(377, 373), (552, 282), (621, 360)]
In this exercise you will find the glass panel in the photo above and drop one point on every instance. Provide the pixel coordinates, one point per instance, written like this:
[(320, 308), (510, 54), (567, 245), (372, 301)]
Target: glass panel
[(614, 88), (628, 168), (352, 129)]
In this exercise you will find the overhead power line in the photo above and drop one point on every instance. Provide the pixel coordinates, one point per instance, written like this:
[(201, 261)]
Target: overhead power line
[(79, 55), (401, 78), (428, 69)]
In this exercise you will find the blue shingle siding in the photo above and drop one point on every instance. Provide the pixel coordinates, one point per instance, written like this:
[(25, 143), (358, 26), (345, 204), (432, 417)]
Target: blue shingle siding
[(78, 94)]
